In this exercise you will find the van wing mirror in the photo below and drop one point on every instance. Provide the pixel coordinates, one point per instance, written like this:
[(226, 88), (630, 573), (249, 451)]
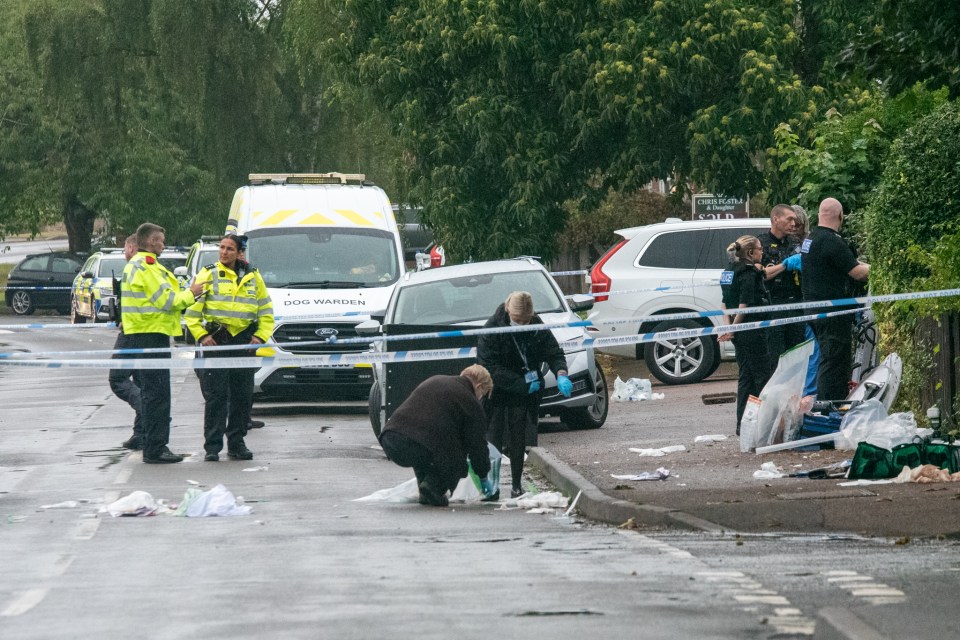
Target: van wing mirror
[(180, 272), (369, 327)]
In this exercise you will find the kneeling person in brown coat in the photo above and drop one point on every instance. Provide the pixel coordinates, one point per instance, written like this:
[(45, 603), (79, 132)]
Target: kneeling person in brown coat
[(437, 427)]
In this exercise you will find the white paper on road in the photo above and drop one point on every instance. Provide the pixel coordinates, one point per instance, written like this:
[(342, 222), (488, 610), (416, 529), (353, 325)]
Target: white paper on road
[(660, 474), (66, 504), (662, 451), (545, 500), (768, 471), (716, 437)]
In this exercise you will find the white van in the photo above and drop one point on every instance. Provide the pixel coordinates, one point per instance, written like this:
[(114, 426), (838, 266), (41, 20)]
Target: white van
[(329, 250)]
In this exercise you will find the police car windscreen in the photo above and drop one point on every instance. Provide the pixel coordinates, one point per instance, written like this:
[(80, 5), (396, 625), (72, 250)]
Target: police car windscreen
[(471, 298), (112, 266), (324, 257)]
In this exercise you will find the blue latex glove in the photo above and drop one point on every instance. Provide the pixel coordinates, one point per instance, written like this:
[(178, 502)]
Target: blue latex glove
[(792, 263), (486, 486), (565, 386), (534, 387)]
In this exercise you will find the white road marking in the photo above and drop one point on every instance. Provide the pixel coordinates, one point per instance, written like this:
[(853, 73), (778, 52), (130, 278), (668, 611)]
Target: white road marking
[(86, 529), (123, 476), (755, 598), (865, 588), (62, 564), (27, 600)]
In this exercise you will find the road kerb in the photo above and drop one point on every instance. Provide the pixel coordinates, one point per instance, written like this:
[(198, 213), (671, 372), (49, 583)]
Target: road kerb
[(596, 505)]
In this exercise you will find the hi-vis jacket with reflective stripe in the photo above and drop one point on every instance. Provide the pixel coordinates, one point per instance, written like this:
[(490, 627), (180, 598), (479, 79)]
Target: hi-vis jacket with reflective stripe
[(232, 302), (151, 297)]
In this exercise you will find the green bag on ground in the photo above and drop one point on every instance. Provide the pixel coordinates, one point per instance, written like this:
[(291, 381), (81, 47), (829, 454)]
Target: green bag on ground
[(871, 462), (943, 455)]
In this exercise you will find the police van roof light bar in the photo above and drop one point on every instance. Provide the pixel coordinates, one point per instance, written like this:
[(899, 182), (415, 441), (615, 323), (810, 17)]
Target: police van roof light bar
[(307, 178)]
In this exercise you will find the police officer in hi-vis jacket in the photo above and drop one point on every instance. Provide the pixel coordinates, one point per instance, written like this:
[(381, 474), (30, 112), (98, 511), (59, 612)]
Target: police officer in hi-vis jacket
[(151, 298), (236, 310)]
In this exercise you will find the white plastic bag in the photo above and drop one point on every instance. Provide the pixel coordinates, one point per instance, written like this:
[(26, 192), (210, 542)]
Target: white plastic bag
[(633, 390), (218, 501), (748, 425), (138, 503), (859, 421), (779, 417)]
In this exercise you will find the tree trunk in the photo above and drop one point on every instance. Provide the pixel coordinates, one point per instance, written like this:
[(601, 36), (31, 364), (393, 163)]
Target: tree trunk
[(79, 222)]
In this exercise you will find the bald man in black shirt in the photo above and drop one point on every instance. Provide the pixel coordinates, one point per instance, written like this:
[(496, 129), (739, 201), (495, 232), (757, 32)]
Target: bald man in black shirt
[(828, 265)]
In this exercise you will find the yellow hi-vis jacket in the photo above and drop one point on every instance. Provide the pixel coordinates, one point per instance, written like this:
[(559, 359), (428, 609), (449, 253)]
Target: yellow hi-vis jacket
[(151, 298), (233, 302)]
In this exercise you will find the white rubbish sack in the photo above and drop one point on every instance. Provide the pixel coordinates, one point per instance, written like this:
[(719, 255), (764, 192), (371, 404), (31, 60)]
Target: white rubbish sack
[(633, 390)]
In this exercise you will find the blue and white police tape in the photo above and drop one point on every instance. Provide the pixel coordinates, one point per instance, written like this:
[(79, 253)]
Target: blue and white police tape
[(61, 325), (580, 272), (841, 302), (381, 357), (35, 287)]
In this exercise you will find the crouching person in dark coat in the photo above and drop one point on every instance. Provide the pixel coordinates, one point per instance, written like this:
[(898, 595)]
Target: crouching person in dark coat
[(437, 427)]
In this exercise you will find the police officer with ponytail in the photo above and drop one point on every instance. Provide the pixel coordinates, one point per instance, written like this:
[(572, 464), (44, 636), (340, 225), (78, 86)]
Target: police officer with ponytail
[(236, 310), (743, 286)]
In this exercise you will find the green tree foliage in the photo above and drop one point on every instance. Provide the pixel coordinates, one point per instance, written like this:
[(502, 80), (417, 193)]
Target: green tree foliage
[(847, 152), (134, 110), (902, 42), (507, 109), (594, 228), (913, 230)]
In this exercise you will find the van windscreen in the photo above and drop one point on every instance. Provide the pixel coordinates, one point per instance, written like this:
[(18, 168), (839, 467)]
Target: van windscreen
[(324, 257)]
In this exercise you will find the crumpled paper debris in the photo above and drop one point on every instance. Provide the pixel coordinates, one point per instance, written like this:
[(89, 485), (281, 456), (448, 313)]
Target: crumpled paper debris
[(662, 451), (768, 471), (538, 502), (66, 504), (710, 439), (660, 474)]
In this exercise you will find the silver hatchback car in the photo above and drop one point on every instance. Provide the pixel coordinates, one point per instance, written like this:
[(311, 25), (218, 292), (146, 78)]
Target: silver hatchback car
[(465, 296)]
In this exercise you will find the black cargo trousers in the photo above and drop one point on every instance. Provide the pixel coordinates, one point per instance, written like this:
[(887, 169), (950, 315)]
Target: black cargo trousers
[(754, 365), (227, 393)]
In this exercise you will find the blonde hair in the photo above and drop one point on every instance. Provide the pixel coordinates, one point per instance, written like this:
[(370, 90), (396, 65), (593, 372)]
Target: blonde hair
[(740, 249), (480, 377), (803, 221), (520, 303)]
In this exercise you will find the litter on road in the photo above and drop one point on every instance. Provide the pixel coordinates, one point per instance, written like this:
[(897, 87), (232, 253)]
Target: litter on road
[(633, 390), (218, 501), (660, 474), (710, 439), (768, 471), (662, 451), (138, 503)]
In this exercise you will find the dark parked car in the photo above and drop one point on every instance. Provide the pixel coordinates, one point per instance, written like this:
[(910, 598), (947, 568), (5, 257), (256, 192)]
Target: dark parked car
[(43, 281)]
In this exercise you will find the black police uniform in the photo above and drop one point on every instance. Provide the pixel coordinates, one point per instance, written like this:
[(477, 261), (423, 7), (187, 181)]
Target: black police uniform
[(783, 289), (123, 381), (826, 260), (743, 284)]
